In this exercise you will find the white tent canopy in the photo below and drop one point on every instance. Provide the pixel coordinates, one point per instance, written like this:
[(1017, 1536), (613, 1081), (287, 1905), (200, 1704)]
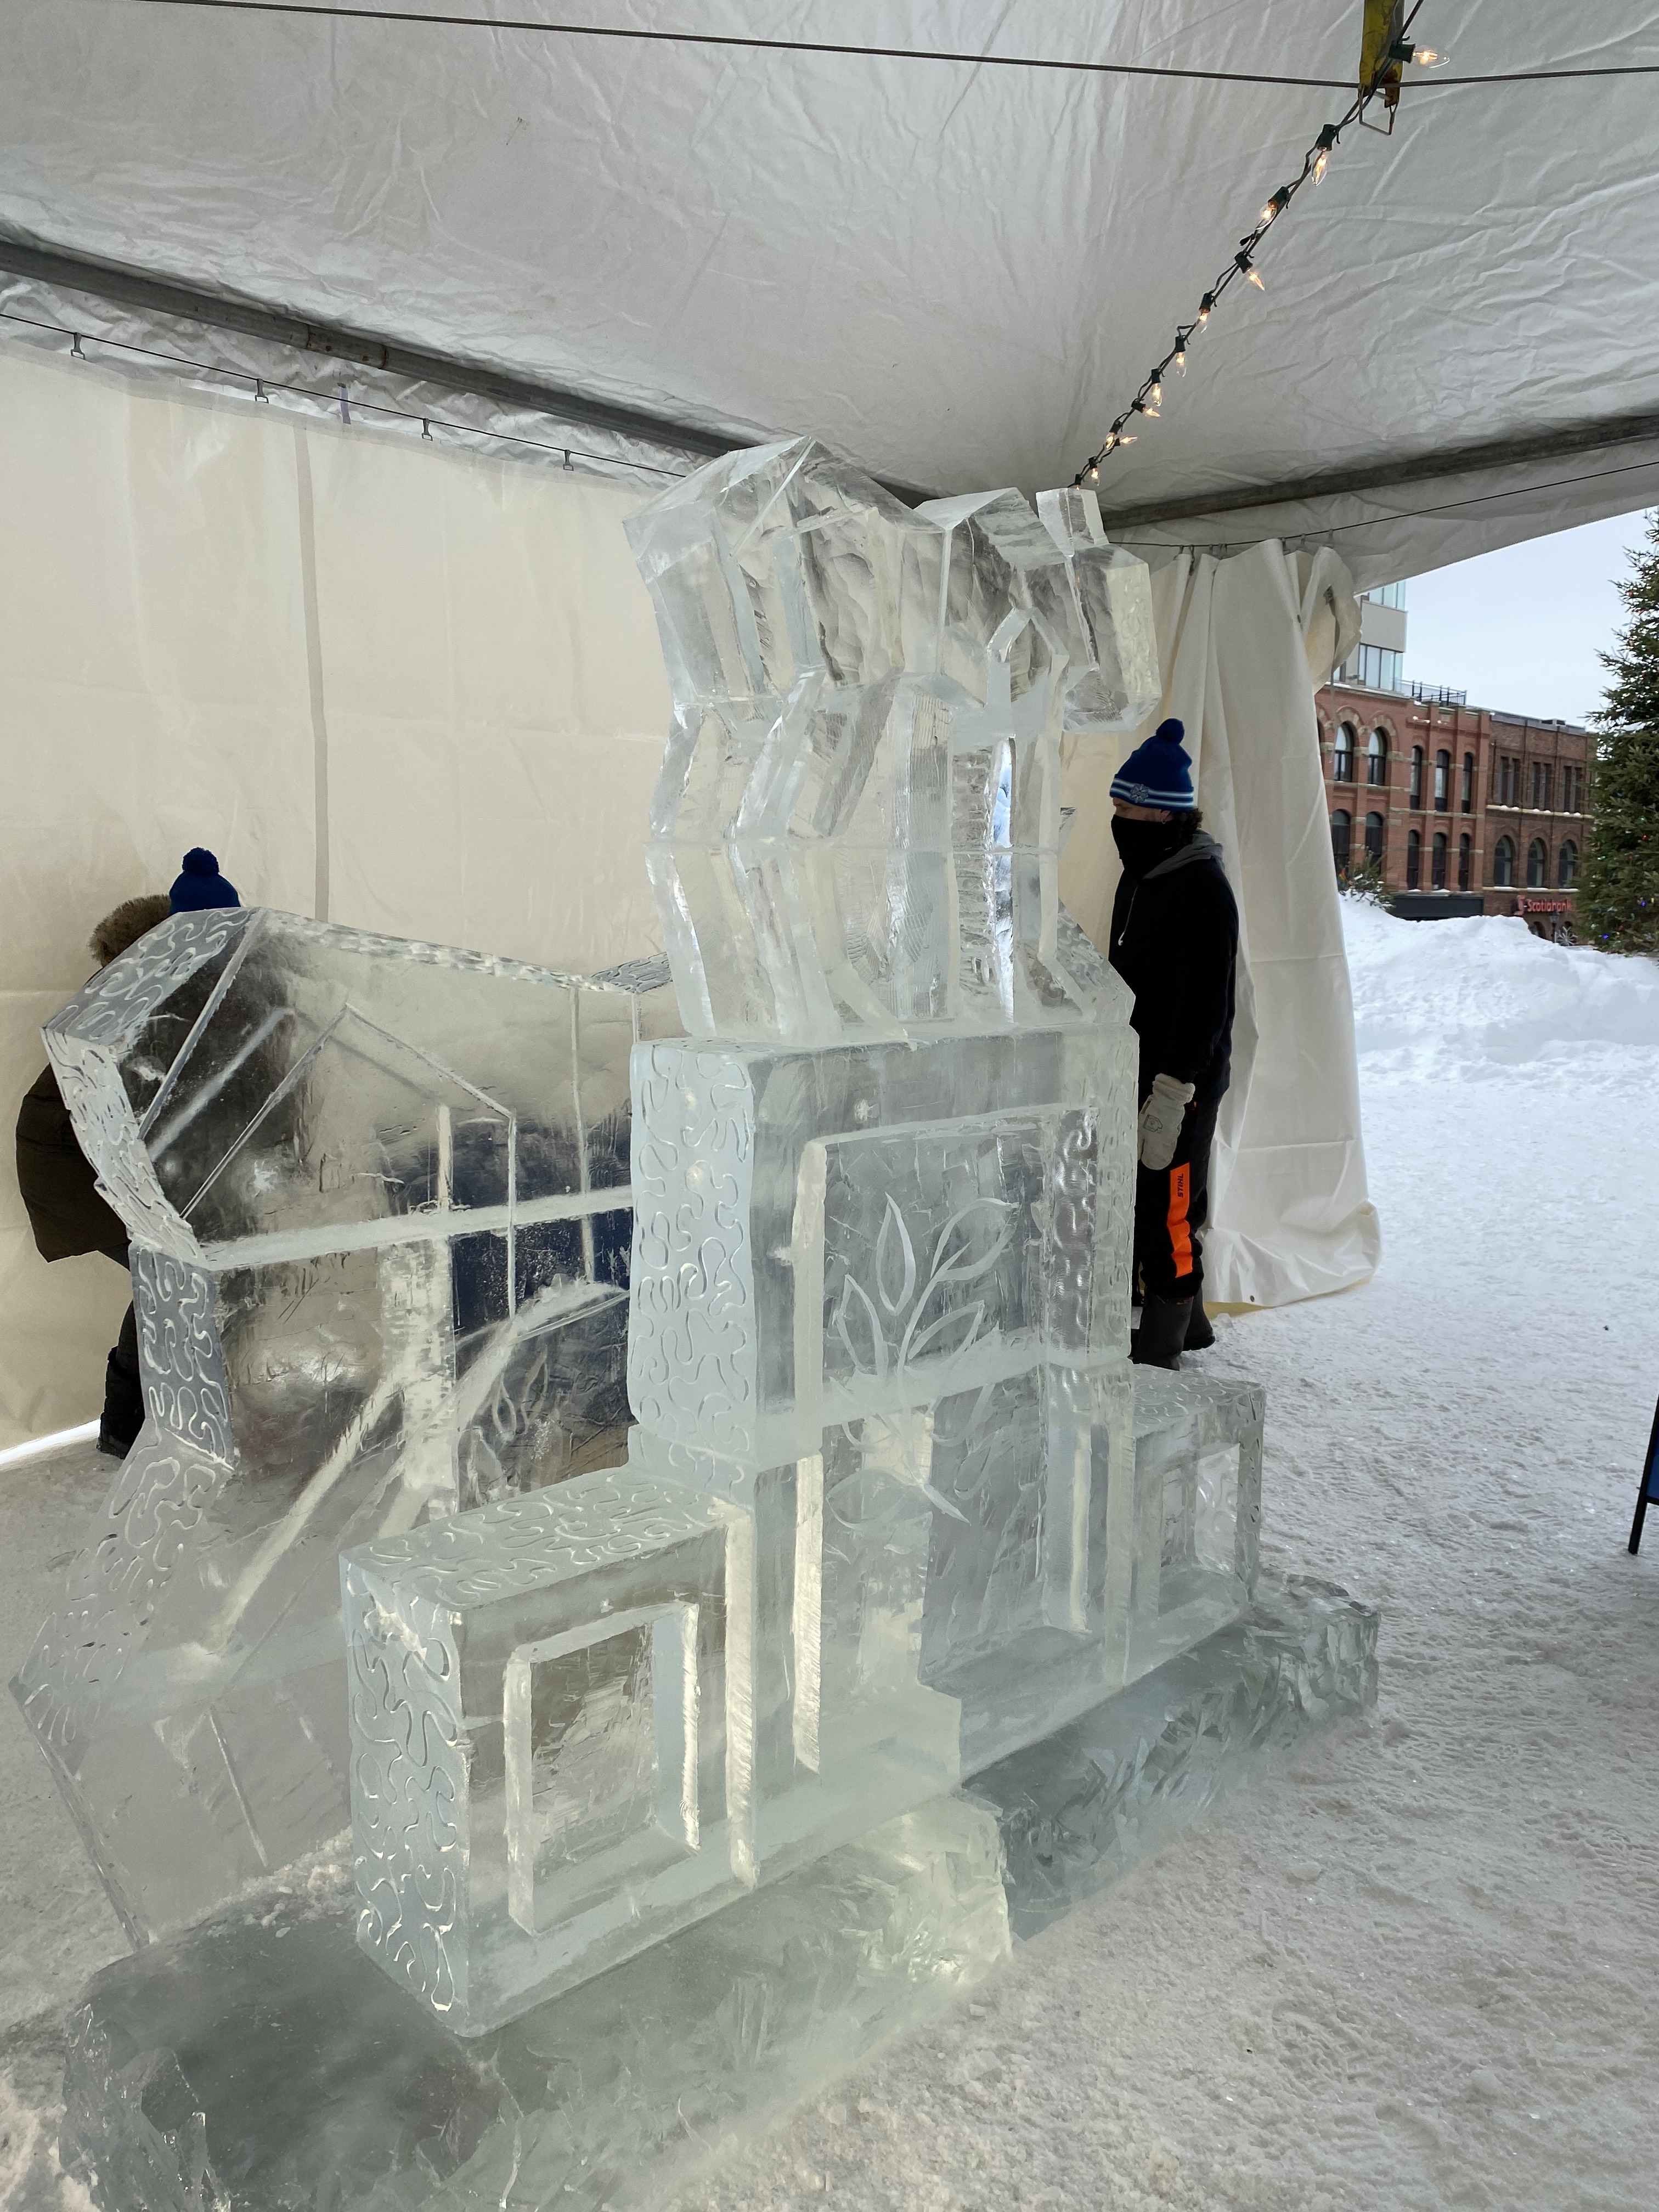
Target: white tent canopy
[(957, 273)]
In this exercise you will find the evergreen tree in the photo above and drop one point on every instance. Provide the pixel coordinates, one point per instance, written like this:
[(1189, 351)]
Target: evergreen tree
[(1619, 894)]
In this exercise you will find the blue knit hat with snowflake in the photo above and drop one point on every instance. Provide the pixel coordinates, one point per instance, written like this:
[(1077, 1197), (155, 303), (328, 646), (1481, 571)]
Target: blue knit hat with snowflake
[(200, 885), (1159, 773)]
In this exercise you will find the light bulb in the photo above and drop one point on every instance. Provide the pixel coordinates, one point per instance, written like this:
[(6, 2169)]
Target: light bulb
[(1151, 413), (1155, 397), (1254, 276), (1426, 58), (1321, 162), (1178, 361), (1094, 472), (1126, 438), (1205, 306)]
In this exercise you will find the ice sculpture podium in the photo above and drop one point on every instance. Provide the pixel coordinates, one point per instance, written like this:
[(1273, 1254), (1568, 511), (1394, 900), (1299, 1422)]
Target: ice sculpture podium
[(688, 1759), (879, 1525)]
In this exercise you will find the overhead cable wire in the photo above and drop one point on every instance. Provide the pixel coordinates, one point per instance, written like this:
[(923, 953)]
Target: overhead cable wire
[(748, 44), (751, 44)]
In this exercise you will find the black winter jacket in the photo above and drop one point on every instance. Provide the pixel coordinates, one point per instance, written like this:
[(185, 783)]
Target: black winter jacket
[(60, 1191), (1175, 942)]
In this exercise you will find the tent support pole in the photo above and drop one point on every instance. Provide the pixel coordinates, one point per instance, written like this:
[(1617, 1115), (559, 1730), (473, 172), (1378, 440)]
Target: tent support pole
[(1382, 476)]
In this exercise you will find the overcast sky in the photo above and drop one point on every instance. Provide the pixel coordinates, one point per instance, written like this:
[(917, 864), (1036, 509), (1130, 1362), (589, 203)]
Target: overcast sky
[(1520, 630)]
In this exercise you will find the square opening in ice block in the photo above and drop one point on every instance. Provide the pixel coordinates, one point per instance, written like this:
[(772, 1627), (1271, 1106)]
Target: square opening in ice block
[(602, 1755), (1215, 1524), (1201, 1525)]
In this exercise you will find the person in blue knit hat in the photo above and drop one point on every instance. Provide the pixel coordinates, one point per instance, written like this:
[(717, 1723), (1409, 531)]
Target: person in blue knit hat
[(200, 885), (1175, 942)]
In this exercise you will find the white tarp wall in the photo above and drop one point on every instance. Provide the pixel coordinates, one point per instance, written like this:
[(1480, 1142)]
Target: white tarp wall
[(420, 691), (423, 685)]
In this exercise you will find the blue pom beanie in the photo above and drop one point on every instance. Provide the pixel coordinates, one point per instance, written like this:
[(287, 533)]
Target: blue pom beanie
[(1159, 773), (201, 885)]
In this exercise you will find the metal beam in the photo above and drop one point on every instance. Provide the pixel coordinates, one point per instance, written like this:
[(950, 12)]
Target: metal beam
[(128, 287), (1381, 476)]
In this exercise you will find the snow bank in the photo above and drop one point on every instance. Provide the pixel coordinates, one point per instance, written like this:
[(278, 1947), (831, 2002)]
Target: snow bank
[(1482, 999)]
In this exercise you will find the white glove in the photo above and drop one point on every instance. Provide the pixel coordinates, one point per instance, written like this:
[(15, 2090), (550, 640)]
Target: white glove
[(1159, 1126)]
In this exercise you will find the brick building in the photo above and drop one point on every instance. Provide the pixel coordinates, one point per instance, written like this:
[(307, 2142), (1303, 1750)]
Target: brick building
[(1466, 809)]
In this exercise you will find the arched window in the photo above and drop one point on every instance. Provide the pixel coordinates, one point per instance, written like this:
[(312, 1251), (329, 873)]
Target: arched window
[(1416, 792), (1341, 836), (1465, 851), (1468, 806), (1538, 865), (1413, 858), (1342, 765), (1566, 866), (1437, 866), (1374, 837), (1503, 864), (1377, 758), (1442, 782)]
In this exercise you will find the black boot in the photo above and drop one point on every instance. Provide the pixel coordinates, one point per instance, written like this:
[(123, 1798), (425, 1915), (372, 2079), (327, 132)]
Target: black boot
[(123, 1394), (1199, 1336), (1158, 1341)]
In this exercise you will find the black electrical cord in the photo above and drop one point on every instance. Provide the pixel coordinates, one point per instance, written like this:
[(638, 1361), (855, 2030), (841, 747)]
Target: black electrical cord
[(874, 53), (746, 44)]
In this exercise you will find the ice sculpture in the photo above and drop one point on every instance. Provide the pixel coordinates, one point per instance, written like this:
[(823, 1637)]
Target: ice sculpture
[(857, 824), (379, 1204), (885, 1519)]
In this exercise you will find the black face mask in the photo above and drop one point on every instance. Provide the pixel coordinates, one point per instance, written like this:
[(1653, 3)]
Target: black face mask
[(1142, 845)]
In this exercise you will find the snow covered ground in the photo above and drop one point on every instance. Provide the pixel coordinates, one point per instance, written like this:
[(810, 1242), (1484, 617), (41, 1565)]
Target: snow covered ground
[(1418, 1969)]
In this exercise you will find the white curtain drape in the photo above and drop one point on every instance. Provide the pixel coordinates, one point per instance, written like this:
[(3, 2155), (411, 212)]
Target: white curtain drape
[(1243, 642)]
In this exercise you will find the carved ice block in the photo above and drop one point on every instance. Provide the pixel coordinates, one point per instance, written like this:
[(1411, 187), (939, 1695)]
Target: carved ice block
[(856, 830), (934, 1586), (823, 1235), (379, 1204), (552, 1736)]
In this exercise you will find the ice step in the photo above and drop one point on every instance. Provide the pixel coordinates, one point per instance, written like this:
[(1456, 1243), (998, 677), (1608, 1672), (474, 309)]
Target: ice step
[(259, 2061)]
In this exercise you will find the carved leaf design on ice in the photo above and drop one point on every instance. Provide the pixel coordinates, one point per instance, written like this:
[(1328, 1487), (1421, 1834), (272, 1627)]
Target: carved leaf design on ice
[(943, 1319)]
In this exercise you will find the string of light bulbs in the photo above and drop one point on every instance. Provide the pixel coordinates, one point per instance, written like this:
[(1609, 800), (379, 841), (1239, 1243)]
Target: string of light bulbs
[(1149, 400)]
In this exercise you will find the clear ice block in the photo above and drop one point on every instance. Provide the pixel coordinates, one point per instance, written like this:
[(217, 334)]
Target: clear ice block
[(830, 1233), (378, 1203), (551, 1713), (856, 827)]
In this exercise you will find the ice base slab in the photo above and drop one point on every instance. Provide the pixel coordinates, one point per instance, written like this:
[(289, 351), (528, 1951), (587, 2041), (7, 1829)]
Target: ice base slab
[(1079, 1809), (261, 2063)]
